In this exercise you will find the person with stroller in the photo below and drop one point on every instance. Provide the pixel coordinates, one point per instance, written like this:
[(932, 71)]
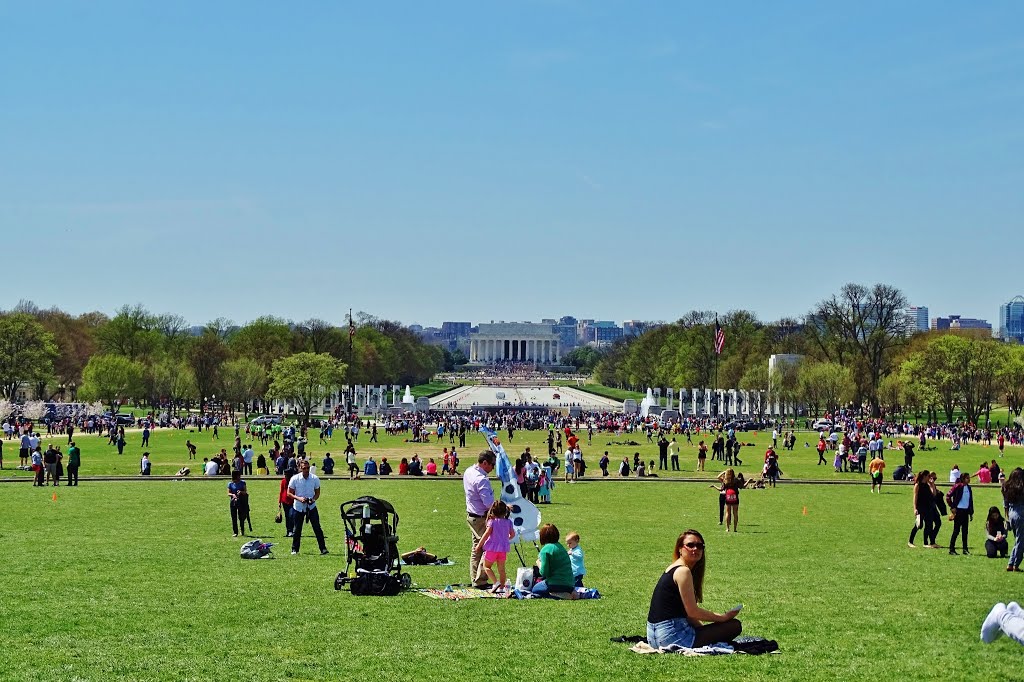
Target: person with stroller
[(675, 605), (304, 491)]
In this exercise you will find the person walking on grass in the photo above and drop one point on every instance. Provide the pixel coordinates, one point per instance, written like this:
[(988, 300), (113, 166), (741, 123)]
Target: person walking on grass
[(304, 491), (961, 505), (876, 468), (239, 506), (922, 506)]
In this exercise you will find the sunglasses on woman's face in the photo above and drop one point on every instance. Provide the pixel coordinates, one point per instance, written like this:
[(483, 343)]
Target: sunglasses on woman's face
[(694, 545)]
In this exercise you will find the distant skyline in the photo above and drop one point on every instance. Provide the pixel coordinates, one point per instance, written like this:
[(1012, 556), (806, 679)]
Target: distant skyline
[(468, 161)]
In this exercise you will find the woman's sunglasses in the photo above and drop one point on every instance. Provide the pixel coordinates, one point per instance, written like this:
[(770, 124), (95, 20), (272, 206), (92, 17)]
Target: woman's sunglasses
[(694, 545)]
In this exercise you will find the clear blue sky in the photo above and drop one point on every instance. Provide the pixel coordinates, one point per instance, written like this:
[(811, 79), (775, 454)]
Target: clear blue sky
[(517, 160)]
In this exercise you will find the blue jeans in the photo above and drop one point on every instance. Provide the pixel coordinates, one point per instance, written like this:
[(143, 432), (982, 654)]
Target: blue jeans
[(1016, 519), (666, 632)]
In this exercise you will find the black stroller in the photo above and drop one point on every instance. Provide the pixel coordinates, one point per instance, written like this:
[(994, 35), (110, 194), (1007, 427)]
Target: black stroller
[(371, 541)]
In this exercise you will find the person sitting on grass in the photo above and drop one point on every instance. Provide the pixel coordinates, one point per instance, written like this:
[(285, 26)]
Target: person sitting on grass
[(996, 534), (675, 613), (554, 567)]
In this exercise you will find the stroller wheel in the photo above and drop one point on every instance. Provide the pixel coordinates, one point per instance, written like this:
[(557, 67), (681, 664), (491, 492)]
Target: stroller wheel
[(339, 580), (406, 581)]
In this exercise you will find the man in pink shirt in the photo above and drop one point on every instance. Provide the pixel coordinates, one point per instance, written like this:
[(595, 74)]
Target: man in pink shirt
[(479, 498)]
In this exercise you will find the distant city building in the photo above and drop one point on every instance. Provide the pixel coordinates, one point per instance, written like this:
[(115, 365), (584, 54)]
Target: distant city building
[(455, 330), (600, 332), (637, 327), (567, 334), (917, 319), (1011, 320), (959, 322)]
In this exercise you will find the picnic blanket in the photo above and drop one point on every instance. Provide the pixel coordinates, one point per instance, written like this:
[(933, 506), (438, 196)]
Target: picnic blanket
[(458, 593), (752, 646), (451, 593)]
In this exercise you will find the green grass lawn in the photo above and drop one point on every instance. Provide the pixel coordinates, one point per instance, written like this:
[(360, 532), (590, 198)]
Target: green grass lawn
[(142, 580)]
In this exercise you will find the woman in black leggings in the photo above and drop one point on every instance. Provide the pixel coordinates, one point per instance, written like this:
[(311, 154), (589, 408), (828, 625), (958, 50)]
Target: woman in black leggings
[(923, 506)]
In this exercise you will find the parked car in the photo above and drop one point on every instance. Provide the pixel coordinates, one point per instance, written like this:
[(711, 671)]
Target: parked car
[(744, 425), (266, 419), (121, 419), (822, 425)]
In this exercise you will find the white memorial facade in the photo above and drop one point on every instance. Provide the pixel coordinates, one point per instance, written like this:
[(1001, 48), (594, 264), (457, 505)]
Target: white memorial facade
[(515, 341)]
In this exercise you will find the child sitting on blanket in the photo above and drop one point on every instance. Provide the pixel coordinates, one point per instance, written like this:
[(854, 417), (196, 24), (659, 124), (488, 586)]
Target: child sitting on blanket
[(495, 543)]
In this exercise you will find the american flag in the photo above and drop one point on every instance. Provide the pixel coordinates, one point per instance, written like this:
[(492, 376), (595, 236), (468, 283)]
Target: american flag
[(719, 338), (351, 327)]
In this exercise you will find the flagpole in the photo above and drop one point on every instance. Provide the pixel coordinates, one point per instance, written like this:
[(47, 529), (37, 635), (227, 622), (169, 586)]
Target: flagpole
[(351, 357)]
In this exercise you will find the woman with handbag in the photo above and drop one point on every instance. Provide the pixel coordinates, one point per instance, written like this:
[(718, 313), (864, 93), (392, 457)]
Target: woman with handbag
[(937, 510)]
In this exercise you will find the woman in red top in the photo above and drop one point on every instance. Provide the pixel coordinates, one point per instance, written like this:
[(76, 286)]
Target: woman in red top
[(403, 467), (286, 507)]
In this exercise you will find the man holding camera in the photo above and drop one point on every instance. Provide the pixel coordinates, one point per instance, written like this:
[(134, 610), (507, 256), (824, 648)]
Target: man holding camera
[(304, 491)]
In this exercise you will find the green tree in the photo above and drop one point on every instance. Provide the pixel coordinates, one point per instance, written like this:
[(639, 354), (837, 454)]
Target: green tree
[(824, 385), (1011, 378), (111, 379), (206, 356), (265, 340), (132, 332), (306, 379), (242, 381), (861, 326), (584, 358), (172, 379), (27, 351)]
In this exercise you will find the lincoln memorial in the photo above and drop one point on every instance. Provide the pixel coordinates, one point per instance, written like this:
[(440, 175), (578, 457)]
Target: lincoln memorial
[(518, 341)]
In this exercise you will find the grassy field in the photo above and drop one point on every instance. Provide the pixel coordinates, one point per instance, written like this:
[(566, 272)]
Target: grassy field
[(142, 580)]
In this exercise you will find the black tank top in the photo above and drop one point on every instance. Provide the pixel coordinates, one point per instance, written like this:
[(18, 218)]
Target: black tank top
[(666, 603)]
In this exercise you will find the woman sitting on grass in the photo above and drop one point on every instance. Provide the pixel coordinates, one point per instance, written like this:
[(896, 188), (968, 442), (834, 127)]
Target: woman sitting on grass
[(675, 615), (553, 564)]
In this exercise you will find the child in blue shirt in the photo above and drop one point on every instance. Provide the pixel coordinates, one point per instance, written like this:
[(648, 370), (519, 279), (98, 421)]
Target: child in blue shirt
[(572, 545)]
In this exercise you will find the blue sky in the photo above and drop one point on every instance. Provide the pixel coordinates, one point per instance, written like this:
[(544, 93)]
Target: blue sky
[(518, 160)]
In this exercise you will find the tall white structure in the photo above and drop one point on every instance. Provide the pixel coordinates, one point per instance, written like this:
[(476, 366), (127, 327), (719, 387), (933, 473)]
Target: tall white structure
[(515, 341)]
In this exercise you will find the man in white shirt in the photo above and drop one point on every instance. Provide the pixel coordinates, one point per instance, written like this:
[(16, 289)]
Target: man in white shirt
[(304, 491), (247, 456), (210, 468)]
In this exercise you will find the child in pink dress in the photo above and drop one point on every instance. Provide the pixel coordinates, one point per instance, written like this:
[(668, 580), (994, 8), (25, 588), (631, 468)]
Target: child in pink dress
[(495, 543)]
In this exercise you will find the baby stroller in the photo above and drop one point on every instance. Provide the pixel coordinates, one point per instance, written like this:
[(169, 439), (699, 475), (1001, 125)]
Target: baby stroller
[(372, 545)]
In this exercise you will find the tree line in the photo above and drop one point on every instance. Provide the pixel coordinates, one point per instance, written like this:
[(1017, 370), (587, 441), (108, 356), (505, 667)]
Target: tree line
[(853, 350), (157, 358)]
